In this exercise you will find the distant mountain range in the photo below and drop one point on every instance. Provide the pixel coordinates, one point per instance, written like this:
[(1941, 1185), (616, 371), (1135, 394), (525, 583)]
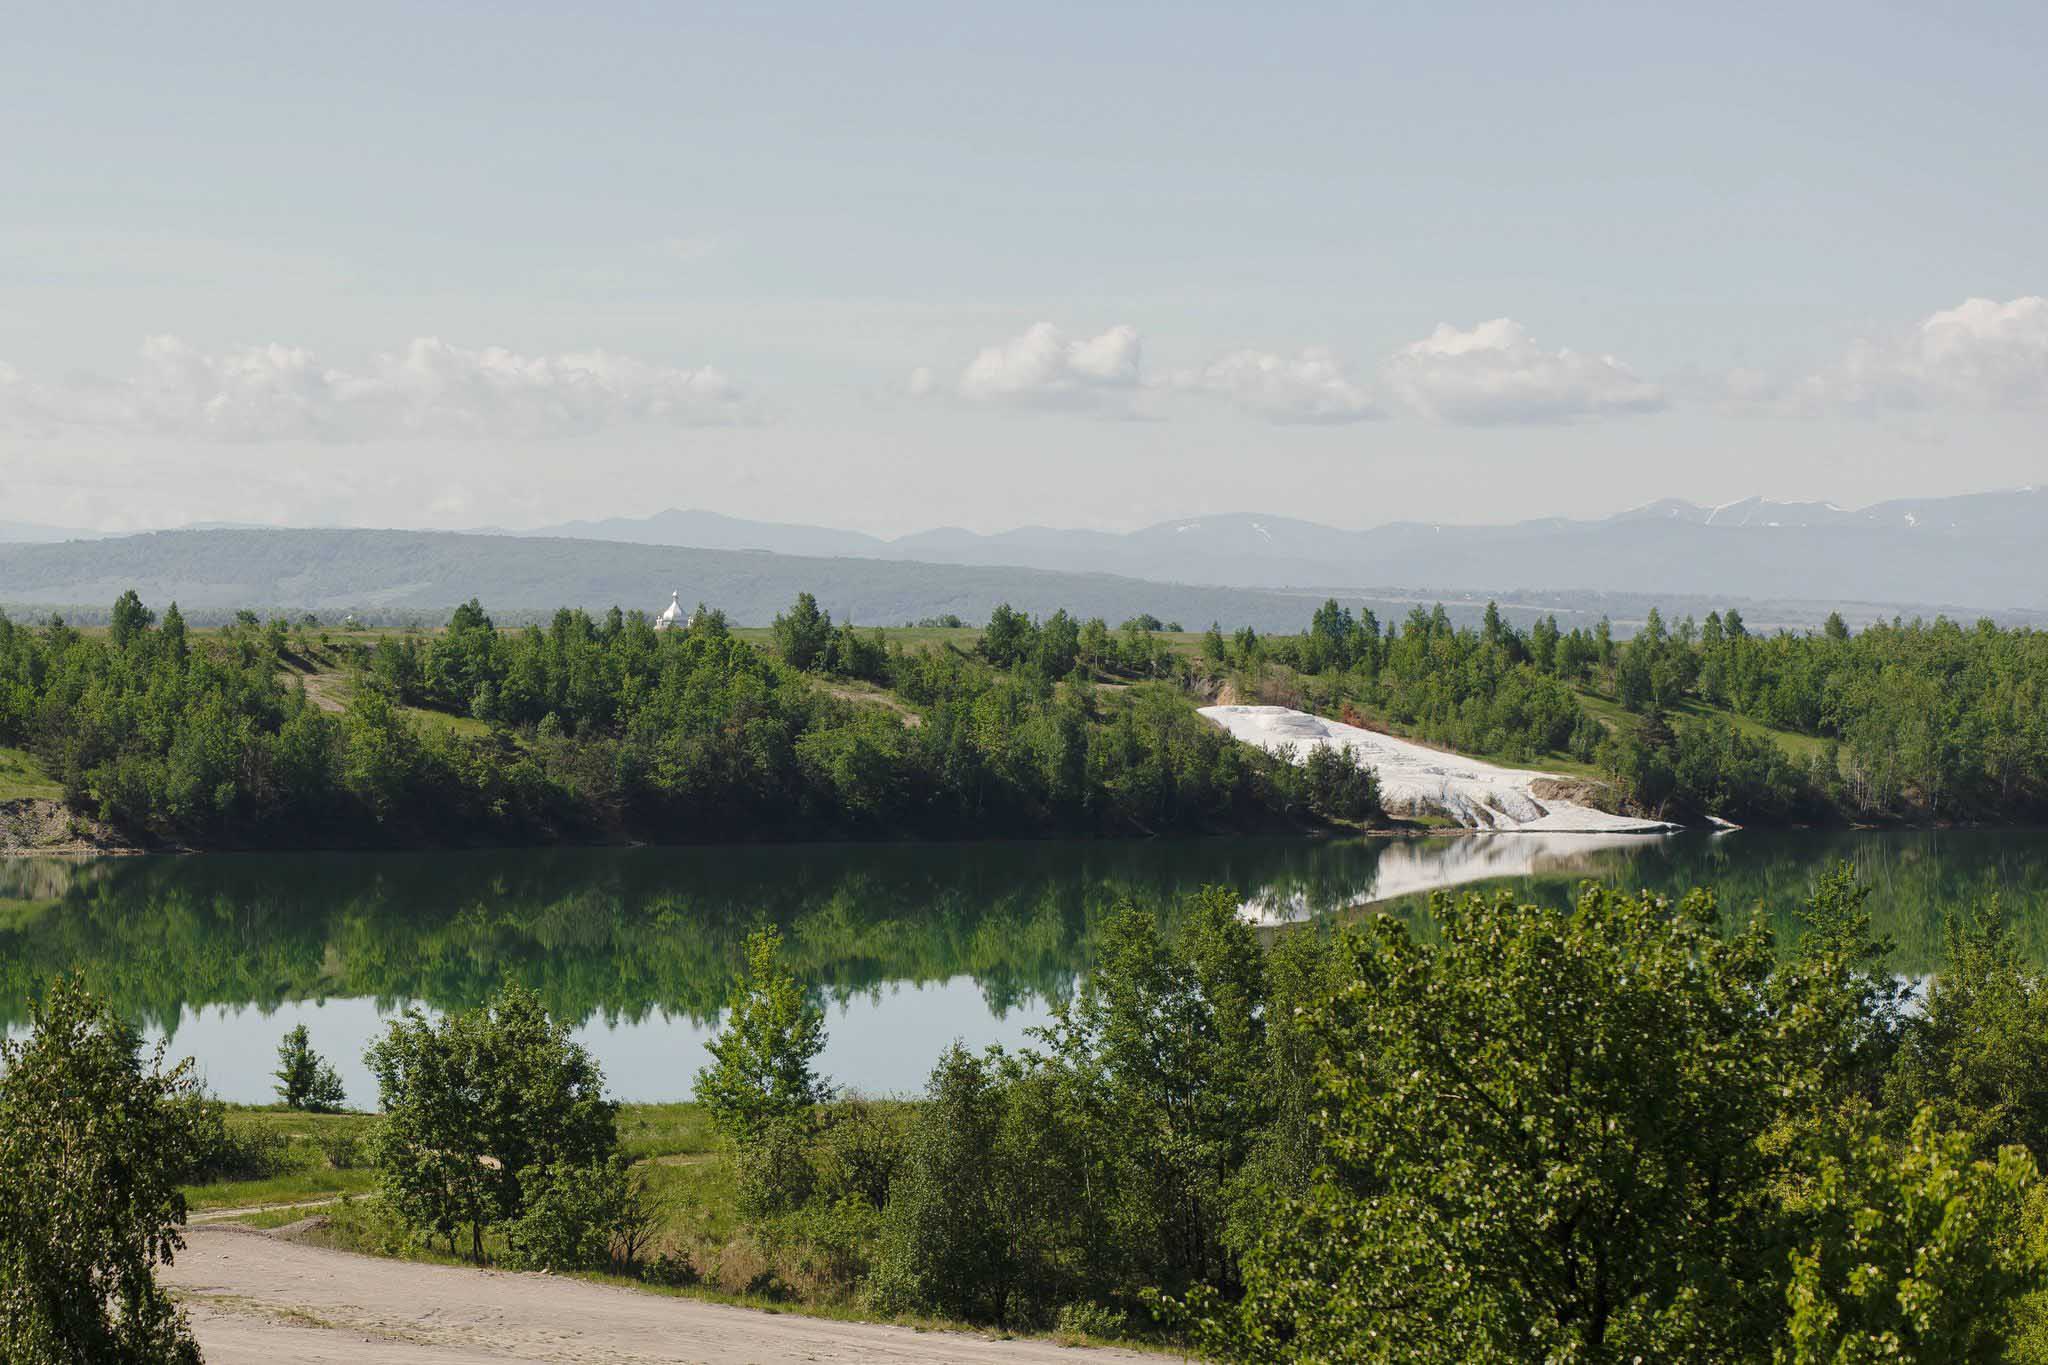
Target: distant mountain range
[(1983, 550), (1982, 553)]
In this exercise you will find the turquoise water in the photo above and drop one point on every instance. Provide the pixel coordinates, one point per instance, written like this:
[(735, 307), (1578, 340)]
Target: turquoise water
[(908, 947)]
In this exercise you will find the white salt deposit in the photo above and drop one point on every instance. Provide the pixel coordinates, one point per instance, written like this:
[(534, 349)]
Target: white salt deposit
[(1415, 779)]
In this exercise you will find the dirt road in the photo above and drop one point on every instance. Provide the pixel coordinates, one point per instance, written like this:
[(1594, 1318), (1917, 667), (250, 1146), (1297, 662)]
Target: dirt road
[(260, 1300)]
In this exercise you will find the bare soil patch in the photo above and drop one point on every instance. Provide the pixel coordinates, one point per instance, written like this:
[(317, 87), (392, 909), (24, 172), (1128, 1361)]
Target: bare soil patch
[(256, 1298)]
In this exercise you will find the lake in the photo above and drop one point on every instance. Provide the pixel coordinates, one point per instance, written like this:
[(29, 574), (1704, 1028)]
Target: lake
[(907, 946)]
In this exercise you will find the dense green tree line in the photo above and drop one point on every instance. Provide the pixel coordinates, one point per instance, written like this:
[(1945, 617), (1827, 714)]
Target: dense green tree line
[(1604, 1132), (1927, 719), (594, 725)]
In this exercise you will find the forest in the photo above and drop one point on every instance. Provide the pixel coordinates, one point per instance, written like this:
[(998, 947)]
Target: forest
[(600, 728), (604, 727), (1921, 721)]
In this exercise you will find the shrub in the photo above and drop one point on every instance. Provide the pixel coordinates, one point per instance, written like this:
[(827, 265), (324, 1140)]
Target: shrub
[(1093, 1321), (775, 1170), (572, 1215), (238, 1152), (344, 1151), (858, 1154)]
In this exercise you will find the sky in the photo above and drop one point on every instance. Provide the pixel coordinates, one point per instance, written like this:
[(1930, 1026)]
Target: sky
[(897, 266)]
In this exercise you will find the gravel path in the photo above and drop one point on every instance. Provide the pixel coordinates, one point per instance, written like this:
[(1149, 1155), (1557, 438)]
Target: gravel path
[(259, 1300)]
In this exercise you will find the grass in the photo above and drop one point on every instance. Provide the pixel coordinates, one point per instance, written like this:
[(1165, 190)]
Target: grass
[(701, 1246), (302, 1167), (467, 726), (289, 1188), (1799, 748), (23, 779), (658, 1130)]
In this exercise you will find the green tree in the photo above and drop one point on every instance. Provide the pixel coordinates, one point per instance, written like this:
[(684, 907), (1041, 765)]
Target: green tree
[(1918, 1251), (1339, 787), (761, 1073), (128, 620), (1976, 1052), (803, 633), (94, 1143), (173, 633), (1008, 638), (475, 1106), (1540, 1140), (304, 1080)]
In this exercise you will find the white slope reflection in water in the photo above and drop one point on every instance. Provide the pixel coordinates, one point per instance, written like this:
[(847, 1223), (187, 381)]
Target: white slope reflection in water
[(881, 1044), (1409, 866)]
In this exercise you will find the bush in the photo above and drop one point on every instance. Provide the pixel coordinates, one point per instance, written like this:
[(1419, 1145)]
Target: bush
[(858, 1154), (1093, 1321), (224, 1152), (573, 1216), (344, 1151), (775, 1171), (1338, 786)]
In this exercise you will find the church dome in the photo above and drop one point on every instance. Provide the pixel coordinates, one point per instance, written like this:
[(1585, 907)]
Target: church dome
[(672, 617)]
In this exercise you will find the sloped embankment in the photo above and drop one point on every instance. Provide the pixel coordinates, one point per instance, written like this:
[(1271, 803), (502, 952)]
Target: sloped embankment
[(1417, 780)]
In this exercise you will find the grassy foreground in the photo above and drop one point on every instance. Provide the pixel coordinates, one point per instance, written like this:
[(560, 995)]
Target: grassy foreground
[(698, 1241)]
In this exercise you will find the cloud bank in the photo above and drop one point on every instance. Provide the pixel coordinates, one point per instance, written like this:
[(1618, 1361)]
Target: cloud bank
[(1981, 354), (1042, 367), (427, 388), (1309, 388), (1495, 373)]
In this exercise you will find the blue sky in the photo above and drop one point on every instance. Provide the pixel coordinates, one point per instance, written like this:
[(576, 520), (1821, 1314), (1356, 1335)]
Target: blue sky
[(896, 266)]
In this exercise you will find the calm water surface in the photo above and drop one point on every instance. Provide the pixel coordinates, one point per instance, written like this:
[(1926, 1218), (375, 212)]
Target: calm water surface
[(908, 947)]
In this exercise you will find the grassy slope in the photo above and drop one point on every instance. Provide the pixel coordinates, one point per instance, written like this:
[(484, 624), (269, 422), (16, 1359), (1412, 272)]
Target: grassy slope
[(1796, 746), (23, 779)]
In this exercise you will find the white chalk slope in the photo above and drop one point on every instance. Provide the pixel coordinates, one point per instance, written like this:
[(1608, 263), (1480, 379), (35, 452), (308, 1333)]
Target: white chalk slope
[(1415, 779)]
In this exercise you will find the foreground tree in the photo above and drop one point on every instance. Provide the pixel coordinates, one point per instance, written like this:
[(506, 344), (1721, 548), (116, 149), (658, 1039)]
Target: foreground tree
[(304, 1080), (1540, 1140), (761, 1074), (93, 1145), (1977, 1050), (483, 1108), (1917, 1253)]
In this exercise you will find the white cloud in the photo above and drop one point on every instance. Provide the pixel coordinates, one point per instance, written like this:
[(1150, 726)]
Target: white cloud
[(1310, 387), (1496, 373), (428, 388), (1979, 354), (1042, 367)]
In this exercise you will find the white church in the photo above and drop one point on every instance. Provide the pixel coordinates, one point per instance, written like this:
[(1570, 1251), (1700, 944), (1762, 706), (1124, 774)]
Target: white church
[(673, 617)]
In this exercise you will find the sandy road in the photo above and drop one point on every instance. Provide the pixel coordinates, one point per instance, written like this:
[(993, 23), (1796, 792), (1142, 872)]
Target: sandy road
[(260, 1300)]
